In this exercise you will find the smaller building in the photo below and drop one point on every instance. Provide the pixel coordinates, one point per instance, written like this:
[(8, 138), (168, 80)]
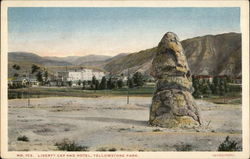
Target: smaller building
[(204, 77), (34, 82), (20, 81), (24, 81)]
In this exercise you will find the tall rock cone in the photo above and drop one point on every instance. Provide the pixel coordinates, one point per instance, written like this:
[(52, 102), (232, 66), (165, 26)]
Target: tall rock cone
[(173, 104)]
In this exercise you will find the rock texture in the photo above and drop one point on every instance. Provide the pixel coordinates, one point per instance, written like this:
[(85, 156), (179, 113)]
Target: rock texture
[(172, 103)]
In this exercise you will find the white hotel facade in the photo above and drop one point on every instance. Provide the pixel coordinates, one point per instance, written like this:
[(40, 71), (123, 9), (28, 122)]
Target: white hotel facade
[(83, 75)]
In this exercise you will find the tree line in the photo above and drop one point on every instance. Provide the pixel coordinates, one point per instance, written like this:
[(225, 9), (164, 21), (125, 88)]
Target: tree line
[(137, 80), (218, 86), (40, 74)]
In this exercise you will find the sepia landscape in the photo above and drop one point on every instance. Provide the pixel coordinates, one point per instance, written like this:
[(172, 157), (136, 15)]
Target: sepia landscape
[(179, 95)]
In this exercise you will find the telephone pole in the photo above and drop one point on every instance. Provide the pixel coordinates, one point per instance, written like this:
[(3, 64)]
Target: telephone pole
[(128, 88), (28, 75)]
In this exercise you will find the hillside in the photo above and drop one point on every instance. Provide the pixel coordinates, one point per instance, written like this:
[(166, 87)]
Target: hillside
[(214, 55), (33, 58), (89, 60), (131, 60), (54, 64), (69, 59), (208, 55)]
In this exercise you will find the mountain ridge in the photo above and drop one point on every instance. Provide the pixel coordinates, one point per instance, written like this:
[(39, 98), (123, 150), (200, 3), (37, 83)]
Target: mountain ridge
[(208, 55)]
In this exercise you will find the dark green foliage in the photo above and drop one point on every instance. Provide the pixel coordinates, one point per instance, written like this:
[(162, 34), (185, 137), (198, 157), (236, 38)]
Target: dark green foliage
[(34, 68), (97, 85), (112, 149), (157, 130), (16, 74), (84, 83), (120, 83), (93, 83), (109, 83), (69, 83), (67, 145), (203, 87), (208, 90), (23, 138), (130, 83), (216, 81), (196, 92), (103, 84), (16, 85), (16, 67), (185, 147), (113, 84), (229, 145), (46, 76), (79, 82), (39, 76), (138, 79)]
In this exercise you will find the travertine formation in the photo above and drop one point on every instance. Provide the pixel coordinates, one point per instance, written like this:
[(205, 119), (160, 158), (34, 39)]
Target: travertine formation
[(172, 103)]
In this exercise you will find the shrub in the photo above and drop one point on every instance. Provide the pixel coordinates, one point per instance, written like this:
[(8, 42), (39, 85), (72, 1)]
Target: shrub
[(23, 138), (229, 145), (185, 147), (67, 145), (112, 149), (157, 130)]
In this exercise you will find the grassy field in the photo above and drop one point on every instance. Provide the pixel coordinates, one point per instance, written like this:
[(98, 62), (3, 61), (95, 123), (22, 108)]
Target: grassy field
[(146, 91), (77, 92)]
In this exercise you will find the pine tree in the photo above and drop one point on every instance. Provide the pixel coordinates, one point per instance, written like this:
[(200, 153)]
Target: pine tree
[(34, 68), (120, 83), (39, 76), (109, 83), (79, 82), (113, 84), (197, 87), (97, 85), (16, 67), (216, 85), (103, 84), (222, 87), (70, 83), (138, 79), (46, 76), (84, 83), (130, 83), (93, 83)]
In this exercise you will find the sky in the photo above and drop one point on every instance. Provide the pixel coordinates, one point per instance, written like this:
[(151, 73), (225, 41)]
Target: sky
[(49, 31)]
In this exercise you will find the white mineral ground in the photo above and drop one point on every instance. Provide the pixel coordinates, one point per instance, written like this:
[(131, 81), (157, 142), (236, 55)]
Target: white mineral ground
[(108, 122)]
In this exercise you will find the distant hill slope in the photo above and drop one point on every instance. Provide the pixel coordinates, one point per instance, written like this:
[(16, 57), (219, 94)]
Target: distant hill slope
[(25, 61), (208, 55), (117, 56), (54, 64), (33, 58), (81, 60), (69, 59), (131, 60)]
